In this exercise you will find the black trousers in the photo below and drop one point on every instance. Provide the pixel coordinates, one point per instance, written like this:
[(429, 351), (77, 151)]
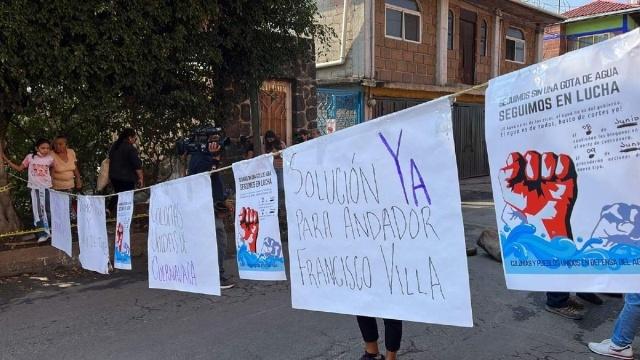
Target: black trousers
[(119, 186), (392, 331)]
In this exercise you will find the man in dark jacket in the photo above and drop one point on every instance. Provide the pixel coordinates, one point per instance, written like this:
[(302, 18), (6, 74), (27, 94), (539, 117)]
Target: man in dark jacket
[(203, 161)]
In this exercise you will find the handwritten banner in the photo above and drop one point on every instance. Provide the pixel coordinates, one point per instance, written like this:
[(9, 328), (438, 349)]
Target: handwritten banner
[(60, 222), (564, 149), (259, 248), (375, 225), (183, 254), (92, 234), (122, 243)]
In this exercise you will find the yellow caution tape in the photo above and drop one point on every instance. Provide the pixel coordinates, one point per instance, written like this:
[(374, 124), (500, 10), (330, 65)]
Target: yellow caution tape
[(39, 230), (5, 188)]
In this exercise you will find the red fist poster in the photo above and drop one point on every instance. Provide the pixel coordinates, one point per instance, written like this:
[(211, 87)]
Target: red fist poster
[(564, 149), (259, 249)]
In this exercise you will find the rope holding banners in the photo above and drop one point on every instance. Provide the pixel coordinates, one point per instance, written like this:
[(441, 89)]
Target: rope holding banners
[(453, 97)]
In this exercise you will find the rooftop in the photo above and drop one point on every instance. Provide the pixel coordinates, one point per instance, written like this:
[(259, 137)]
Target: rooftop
[(598, 7)]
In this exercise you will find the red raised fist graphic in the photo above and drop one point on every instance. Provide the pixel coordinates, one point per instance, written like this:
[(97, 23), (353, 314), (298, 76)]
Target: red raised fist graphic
[(539, 190), (249, 223)]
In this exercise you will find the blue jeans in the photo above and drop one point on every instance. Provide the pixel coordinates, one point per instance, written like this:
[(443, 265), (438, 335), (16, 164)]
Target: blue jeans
[(221, 238), (41, 215), (628, 321)]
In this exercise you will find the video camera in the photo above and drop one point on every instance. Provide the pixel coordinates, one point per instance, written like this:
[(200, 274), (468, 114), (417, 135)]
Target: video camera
[(199, 140)]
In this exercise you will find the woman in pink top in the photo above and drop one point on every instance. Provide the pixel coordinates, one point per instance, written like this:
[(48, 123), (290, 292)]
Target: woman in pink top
[(65, 175), (38, 164)]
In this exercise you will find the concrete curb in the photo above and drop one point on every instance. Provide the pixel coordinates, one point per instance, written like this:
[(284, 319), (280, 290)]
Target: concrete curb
[(42, 259)]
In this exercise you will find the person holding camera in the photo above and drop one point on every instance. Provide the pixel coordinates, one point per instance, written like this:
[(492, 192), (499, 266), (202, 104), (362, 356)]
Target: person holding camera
[(208, 159)]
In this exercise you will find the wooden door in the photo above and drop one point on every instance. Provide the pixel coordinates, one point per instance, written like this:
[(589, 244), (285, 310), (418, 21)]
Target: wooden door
[(468, 46), (275, 109)]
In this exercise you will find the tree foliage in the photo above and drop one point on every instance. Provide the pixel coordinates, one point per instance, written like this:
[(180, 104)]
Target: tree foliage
[(89, 68)]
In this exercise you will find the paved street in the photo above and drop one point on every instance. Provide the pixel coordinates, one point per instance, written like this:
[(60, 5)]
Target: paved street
[(78, 315)]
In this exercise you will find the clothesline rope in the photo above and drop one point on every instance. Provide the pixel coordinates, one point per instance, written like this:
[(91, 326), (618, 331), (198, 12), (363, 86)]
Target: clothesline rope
[(450, 96)]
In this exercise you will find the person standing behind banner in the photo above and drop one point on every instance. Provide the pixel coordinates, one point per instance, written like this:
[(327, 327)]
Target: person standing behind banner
[(624, 331), (125, 166), (246, 144), (65, 175), (273, 144), (303, 135), (38, 164), (392, 337), (204, 161)]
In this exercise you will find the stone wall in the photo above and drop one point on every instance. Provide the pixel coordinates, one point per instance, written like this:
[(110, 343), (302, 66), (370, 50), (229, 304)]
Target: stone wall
[(301, 73)]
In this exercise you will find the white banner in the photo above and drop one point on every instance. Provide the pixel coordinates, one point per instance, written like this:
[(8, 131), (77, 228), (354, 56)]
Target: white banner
[(183, 254), (564, 151), (259, 248), (60, 222), (374, 220), (122, 243), (92, 234)]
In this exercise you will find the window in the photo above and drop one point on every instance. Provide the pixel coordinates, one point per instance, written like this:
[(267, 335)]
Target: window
[(450, 31), (584, 41), (515, 45), (483, 38), (402, 20)]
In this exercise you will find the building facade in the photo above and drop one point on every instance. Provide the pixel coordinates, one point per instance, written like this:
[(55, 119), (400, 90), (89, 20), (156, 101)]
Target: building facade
[(590, 24), (393, 54)]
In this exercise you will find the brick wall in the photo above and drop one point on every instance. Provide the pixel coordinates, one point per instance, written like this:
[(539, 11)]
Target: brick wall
[(552, 43), (530, 47), (483, 63), (408, 62), (404, 61)]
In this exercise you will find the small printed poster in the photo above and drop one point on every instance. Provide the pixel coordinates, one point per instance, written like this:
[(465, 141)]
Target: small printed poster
[(122, 243), (259, 249)]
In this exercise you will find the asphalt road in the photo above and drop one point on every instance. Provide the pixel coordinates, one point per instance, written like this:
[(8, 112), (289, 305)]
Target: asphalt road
[(78, 315)]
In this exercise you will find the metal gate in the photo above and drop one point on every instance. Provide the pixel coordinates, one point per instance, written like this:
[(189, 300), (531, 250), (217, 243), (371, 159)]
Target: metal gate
[(468, 133), (471, 147), (338, 109)]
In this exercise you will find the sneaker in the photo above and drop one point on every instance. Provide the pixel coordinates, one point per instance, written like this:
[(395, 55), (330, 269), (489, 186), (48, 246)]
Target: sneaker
[(608, 348), (575, 303), (368, 356), (43, 238), (570, 311), (590, 297), (226, 283)]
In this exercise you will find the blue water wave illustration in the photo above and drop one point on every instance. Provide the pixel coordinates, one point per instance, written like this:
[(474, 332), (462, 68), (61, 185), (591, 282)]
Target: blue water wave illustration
[(527, 253), (258, 262)]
